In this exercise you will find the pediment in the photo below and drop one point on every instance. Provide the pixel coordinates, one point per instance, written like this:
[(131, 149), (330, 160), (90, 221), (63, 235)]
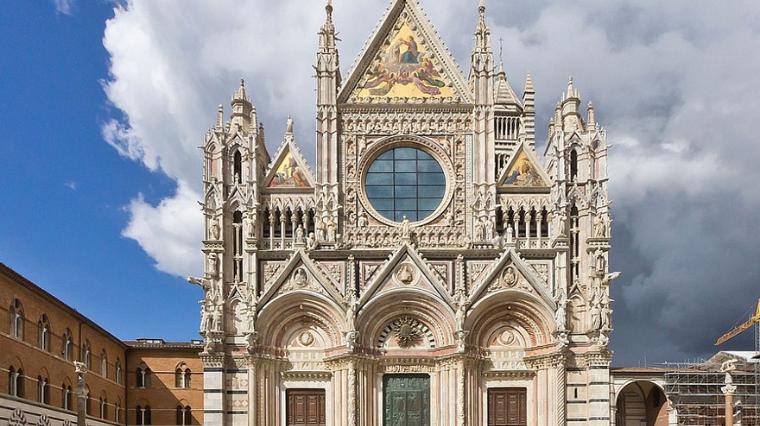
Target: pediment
[(405, 269), (510, 272), (524, 171), (289, 170), (301, 274), (405, 61)]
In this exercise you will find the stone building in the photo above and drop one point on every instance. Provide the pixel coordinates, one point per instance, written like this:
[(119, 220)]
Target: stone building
[(431, 270), (141, 382)]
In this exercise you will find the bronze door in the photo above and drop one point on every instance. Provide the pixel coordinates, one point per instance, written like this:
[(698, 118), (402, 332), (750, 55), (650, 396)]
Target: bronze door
[(407, 400), (306, 407), (507, 407)]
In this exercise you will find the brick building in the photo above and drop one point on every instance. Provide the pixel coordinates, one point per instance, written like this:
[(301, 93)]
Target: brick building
[(145, 381)]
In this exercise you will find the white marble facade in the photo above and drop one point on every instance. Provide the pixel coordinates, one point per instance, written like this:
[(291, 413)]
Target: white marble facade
[(501, 282)]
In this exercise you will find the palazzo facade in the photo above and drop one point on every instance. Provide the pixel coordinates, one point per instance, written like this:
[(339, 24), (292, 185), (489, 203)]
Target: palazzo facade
[(431, 270)]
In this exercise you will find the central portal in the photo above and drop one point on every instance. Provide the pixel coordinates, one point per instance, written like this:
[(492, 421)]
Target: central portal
[(407, 400)]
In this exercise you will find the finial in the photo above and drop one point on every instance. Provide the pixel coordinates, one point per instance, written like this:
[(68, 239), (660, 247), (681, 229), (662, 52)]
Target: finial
[(329, 9), (289, 129), (528, 82), (501, 50), (220, 116), (482, 7)]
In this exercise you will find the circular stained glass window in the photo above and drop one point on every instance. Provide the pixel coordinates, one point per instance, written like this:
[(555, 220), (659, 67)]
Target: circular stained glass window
[(405, 183)]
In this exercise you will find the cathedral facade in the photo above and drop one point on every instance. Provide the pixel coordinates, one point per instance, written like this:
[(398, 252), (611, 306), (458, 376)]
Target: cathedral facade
[(431, 270)]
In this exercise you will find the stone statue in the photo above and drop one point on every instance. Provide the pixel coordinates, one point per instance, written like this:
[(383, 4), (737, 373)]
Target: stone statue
[(331, 229), (601, 262), (300, 278), (480, 231), (562, 225), (600, 225), (406, 234), (560, 316), (212, 267), (216, 319), (213, 228), (363, 221), (311, 241), (351, 338), (488, 229), (300, 235), (461, 314), (248, 226)]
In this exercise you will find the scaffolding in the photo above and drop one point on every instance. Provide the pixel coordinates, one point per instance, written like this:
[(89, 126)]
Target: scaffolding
[(694, 390)]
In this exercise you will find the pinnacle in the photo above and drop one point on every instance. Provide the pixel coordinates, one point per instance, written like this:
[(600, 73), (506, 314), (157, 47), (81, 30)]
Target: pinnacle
[(289, 129)]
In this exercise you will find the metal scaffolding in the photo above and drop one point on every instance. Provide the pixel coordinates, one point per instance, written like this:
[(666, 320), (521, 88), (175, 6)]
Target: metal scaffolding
[(694, 390)]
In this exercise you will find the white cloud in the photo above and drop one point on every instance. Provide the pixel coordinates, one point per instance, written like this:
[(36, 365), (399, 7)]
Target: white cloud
[(674, 83), (64, 6), (169, 231)]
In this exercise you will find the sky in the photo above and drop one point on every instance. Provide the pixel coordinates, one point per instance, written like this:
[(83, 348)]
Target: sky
[(105, 104)]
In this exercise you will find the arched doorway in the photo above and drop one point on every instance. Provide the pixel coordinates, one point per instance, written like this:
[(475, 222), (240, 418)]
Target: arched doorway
[(641, 403)]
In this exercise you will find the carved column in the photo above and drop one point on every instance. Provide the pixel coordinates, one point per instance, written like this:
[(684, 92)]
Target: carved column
[(252, 407), (461, 418), (81, 370), (351, 393), (560, 386)]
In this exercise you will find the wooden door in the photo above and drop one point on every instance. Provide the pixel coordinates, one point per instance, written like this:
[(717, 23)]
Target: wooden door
[(507, 407), (406, 400), (306, 407)]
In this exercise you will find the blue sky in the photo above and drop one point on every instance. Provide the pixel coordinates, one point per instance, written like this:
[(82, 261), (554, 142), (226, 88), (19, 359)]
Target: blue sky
[(66, 190), (102, 112)]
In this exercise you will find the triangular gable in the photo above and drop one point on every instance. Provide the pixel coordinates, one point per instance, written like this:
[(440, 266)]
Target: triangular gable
[(289, 170), (393, 275), (494, 275), (524, 171), (405, 59), (290, 278)]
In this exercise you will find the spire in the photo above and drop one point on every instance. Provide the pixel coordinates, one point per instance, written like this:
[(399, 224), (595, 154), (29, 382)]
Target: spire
[(571, 91), (482, 33), (241, 95), (529, 111), (220, 117), (529, 84), (327, 33), (591, 122)]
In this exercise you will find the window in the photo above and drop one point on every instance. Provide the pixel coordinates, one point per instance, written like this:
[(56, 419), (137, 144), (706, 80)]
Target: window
[(405, 183), (143, 415), (573, 165), (43, 390), (16, 382), (142, 376), (87, 402), (43, 328), (66, 397), (103, 408), (182, 377), (118, 371), (104, 364), (184, 415), (238, 167), (68, 346), (16, 314), (117, 412), (87, 354)]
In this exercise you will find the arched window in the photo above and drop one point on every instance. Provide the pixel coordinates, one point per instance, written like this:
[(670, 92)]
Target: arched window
[(68, 345), (142, 376), (238, 167), (87, 354), (142, 415), (43, 390), (66, 397), (87, 405), (575, 242), (103, 408), (12, 380), (117, 411), (16, 314), (182, 377), (43, 328), (118, 371), (573, 165), (16, 382), (184, 415), (104, 364)]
